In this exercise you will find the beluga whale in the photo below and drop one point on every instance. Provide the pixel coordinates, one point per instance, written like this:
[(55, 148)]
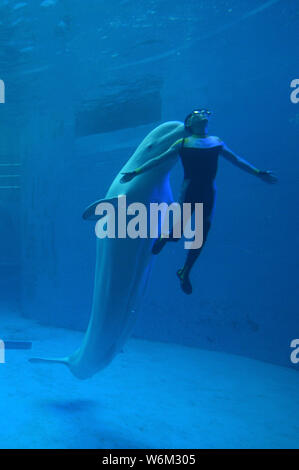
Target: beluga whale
[(123, 265)]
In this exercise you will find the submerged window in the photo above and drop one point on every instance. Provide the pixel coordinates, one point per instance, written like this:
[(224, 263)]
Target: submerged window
[(132, 108)]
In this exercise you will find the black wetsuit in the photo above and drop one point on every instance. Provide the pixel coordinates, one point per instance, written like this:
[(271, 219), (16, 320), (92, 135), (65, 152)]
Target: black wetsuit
[(200, 168)]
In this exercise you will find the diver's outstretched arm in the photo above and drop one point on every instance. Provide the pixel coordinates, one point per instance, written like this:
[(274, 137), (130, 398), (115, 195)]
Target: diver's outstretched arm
[(172, 152), (265, 175)]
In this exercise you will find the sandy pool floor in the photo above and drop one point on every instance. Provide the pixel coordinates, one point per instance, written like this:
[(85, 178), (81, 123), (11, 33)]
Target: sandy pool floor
[(154, 395)]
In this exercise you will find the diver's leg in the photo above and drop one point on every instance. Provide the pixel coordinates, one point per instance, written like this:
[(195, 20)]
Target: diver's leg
[(183, 273), (163, 239)]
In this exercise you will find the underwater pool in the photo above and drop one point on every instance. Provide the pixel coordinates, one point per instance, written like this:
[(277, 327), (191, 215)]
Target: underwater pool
[(137, 342)]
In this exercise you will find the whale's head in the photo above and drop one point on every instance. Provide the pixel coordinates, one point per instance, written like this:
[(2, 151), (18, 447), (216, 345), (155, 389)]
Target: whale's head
[(154, 144), (157, 142)]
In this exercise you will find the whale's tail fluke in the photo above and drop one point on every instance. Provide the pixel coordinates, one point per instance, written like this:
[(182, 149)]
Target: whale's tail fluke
[(74, 366), (38, 360)]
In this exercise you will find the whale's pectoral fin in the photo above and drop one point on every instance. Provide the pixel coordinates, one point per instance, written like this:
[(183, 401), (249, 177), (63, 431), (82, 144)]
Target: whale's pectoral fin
[(90, 212)]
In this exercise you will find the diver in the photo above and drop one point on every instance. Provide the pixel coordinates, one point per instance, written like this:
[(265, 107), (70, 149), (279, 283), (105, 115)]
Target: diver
[(199, 154)]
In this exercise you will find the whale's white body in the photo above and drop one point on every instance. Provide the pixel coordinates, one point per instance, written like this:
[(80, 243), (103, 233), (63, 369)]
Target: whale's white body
[(123, 264)]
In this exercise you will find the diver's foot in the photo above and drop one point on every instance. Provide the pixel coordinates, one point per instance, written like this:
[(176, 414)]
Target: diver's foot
[(186, 285), (159, 244)]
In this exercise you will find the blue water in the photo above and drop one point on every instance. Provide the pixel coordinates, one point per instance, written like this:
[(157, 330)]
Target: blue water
[(84, 84)]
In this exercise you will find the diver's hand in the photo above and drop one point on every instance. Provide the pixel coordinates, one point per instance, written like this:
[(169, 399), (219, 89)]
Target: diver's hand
[(128, 176), (267, 176)]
